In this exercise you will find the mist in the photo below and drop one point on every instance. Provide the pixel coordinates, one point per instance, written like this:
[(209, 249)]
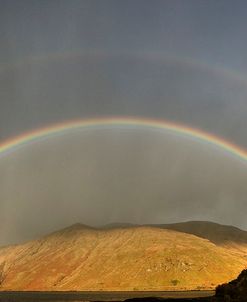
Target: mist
[(177, 61), (131, 175)]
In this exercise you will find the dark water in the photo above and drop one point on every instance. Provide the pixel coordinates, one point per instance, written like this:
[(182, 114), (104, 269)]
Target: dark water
[(96, 296)]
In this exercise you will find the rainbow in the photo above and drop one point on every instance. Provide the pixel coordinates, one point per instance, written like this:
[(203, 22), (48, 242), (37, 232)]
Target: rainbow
[(237, 76), (62, 128)]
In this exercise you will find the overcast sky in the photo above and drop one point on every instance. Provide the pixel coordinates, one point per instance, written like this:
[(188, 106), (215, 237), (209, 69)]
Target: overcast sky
[(181, 61)]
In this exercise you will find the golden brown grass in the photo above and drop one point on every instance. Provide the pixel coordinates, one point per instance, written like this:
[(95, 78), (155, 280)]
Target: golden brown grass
[(132, 258)]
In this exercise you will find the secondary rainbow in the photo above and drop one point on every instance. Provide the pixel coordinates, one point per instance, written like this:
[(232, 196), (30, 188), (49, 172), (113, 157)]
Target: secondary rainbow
[(52, 130), (149, 56)]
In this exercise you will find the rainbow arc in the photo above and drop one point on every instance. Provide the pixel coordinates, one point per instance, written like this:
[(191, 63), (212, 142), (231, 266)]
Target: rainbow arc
[(52, 130)]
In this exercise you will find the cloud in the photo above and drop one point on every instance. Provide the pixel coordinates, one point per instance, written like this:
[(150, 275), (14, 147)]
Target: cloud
[(117, 175)]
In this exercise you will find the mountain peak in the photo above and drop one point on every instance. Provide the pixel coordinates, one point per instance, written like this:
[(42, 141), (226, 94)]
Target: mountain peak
[(124, 257)]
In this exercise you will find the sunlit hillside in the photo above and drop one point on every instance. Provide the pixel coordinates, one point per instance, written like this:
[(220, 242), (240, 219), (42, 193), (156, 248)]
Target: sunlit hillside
[(121, 258)]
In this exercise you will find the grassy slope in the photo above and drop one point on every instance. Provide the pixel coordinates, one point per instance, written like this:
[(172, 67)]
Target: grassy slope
[(140, 258)]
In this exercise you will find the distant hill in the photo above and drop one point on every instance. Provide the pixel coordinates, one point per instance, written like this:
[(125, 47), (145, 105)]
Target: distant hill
[(216, 233), (191, 255)]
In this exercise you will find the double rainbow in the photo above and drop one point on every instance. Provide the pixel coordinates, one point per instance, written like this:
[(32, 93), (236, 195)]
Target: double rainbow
[(35, 135)]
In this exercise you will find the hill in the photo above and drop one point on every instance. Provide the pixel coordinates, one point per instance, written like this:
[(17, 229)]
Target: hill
[(235, 290), (217, 233), (126, 257)]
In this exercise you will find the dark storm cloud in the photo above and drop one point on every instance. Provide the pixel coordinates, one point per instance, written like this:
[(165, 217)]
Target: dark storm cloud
[(102, 177)]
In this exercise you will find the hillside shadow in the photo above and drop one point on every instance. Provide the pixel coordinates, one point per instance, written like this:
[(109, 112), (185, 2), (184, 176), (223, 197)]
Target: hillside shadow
[(214, 232)]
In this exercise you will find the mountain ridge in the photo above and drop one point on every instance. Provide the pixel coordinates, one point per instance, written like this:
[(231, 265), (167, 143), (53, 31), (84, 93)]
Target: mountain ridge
[(124, 257)]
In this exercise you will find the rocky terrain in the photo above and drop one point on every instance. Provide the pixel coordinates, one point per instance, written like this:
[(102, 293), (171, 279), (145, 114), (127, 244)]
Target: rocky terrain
[(193, 255)]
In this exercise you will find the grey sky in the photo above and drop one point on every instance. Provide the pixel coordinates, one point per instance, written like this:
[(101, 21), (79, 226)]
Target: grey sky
[(183, 61)]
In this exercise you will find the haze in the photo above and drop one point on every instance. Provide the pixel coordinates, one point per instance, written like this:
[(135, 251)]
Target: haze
[(179, 61)]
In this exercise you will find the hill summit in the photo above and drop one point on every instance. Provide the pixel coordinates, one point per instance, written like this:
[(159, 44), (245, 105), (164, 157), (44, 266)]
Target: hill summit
[(190, 255)]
